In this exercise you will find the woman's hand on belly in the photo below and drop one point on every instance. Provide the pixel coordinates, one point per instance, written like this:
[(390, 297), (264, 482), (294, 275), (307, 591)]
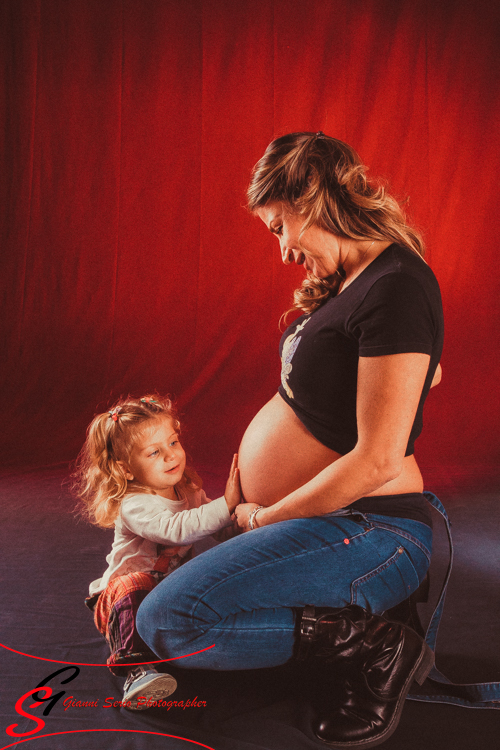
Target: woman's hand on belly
[(243, 513), (286, 469)]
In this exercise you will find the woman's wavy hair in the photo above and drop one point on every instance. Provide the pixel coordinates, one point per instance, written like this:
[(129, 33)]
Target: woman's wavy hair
[(99, 482), (324, 180)]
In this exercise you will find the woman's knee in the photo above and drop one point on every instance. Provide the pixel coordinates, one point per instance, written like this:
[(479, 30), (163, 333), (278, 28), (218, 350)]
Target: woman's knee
[(145, 620), (152, 626), (174, 615)]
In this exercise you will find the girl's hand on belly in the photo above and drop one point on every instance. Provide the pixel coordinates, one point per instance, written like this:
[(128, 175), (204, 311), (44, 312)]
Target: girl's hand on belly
[(242, 513), (232, 493)]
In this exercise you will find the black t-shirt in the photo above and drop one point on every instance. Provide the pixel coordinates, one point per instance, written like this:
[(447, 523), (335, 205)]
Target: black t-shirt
[(393, 306)]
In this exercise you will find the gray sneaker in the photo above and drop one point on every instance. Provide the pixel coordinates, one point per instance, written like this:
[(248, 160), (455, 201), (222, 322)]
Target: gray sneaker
[(145, 686)]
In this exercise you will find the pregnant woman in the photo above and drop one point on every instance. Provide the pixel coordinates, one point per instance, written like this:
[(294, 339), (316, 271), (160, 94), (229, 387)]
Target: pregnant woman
[(337, 530)]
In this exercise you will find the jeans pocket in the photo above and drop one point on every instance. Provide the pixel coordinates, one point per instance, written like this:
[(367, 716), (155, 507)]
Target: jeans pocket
[(387, 585)]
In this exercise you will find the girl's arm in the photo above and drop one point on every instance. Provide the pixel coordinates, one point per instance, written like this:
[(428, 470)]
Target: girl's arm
[(388, 393), (147, 517)]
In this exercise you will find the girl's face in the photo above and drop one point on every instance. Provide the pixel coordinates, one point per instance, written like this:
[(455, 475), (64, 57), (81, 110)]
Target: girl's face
[(316, 249), (157, 459)]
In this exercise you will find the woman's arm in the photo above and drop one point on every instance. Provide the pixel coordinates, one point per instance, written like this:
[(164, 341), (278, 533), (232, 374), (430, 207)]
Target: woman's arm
[(388, 393), (437, 376)]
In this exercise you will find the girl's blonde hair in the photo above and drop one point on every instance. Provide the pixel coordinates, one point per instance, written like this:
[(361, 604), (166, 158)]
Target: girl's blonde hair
[(99, 482), (324, 180)]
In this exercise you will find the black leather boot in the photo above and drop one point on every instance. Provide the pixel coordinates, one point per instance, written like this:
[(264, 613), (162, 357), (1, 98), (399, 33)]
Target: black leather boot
[(378, 660)]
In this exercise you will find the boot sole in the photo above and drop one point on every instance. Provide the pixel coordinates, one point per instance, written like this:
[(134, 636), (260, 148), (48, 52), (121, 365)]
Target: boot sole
[(419, 673)]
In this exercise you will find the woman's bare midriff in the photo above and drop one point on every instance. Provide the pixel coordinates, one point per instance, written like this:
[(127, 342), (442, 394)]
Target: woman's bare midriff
[(278, 455)]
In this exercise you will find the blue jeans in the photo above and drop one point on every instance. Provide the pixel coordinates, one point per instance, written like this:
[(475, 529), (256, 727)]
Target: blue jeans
[(239, 597)]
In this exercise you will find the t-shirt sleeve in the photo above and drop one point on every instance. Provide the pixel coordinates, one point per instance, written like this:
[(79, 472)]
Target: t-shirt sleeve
[(394, 317), (151, 520)]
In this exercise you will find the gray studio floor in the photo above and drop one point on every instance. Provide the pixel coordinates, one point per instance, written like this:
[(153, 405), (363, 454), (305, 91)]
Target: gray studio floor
[(49, 557)]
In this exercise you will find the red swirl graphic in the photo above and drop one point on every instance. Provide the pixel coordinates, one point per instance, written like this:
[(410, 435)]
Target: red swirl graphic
[(86, 664), (78, 731)]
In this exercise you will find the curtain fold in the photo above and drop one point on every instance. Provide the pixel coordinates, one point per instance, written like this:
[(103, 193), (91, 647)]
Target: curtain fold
[(129, 262)]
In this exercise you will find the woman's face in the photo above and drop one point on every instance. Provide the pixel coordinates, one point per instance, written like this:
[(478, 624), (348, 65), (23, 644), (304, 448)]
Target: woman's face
[(316, 249)]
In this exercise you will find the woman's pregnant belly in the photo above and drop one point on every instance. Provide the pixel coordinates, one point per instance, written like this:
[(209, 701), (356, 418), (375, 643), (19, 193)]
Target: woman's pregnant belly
[(278, 455)]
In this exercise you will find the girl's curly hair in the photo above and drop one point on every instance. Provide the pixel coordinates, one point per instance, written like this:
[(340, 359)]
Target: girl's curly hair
[(99, 482)]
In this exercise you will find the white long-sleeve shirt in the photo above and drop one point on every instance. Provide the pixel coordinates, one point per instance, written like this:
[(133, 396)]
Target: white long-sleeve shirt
[(153, 533)]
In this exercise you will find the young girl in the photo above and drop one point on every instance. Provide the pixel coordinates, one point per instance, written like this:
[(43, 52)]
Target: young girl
[(132, 475)]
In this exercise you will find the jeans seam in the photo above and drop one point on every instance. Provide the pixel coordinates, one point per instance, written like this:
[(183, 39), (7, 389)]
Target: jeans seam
[(271, 562), (377, 571), (405, 535)]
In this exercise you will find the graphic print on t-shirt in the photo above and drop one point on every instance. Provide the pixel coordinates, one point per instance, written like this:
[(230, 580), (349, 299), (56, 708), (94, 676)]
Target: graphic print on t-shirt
[(289, 347)]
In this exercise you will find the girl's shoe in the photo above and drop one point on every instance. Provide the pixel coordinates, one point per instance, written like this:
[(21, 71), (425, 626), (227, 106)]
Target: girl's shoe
[(145, 686)]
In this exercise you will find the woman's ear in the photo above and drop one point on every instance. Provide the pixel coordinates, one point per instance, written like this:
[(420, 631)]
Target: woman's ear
[(126, 470)]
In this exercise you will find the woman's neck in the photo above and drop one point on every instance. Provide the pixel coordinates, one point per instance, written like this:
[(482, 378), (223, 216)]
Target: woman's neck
[(358, 257)]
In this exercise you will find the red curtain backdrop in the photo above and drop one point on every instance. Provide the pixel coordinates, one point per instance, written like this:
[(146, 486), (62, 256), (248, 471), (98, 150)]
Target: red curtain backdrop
[(128, 261)]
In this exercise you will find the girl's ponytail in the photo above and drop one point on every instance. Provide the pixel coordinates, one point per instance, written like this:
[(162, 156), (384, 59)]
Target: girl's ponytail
[(100, 482)]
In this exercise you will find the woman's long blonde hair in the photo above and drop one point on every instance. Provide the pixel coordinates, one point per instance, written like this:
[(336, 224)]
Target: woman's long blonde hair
[(324, 180), (99, 481)]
